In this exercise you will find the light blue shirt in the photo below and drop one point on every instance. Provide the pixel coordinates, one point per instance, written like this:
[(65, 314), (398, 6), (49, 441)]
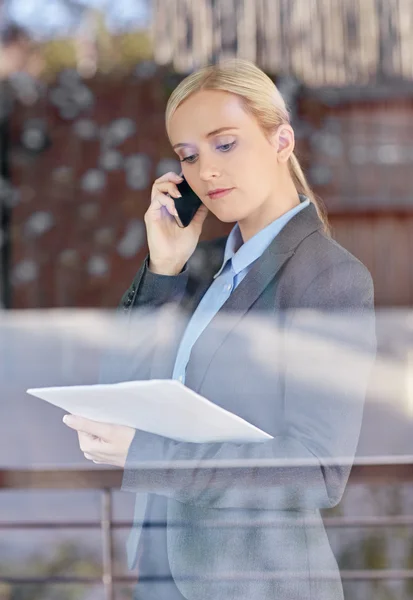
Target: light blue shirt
[(238, 260)]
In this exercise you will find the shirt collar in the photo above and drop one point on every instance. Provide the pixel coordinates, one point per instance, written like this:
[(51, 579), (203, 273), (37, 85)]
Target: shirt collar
[(242, 255), (233, 244)]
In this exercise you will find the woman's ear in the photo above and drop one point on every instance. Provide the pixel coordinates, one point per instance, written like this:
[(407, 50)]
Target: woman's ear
[(284, 140)]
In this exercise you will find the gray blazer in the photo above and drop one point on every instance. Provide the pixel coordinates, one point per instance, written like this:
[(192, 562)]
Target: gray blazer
[(290, 351)]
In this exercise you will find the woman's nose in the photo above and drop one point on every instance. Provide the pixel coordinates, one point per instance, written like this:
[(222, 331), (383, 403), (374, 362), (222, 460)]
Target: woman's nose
[(208, 172)]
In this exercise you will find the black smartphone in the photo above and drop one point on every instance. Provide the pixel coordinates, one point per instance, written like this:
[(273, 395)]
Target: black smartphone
[(187, 205)]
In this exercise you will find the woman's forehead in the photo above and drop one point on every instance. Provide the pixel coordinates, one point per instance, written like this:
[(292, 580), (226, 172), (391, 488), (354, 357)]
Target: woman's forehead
[(206, 112)]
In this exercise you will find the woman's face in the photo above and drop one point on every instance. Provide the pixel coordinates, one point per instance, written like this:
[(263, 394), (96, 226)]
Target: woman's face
[(238, 157)]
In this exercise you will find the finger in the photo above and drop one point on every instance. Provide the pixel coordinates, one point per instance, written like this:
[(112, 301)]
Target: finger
[(89, 443), (100, 430), (170, 176), (87, 436), (161, 200), (167, 187)]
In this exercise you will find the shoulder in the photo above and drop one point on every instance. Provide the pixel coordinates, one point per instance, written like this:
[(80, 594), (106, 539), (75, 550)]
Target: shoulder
[(322, 268), (322, 250), (319, 252)]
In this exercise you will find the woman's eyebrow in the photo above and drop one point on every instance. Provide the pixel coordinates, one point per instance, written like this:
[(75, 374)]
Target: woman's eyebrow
[(211, 133)]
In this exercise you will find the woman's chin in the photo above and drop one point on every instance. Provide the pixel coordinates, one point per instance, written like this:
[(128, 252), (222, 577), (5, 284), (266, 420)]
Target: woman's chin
[(228, 216), (226, 219)]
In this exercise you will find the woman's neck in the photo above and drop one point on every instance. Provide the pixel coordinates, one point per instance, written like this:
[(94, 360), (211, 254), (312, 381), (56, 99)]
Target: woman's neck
[(267, 213)]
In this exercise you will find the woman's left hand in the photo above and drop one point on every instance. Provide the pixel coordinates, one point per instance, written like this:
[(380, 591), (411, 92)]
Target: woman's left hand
[(103, 443)]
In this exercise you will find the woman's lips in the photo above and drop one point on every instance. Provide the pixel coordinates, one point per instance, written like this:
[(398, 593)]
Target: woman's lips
[(220, 194)]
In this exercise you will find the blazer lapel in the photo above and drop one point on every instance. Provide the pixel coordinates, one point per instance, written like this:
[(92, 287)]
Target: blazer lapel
[(237, 305), (251, 287)]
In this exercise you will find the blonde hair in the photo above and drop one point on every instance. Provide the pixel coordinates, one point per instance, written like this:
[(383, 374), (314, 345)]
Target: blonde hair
[(259, 97)]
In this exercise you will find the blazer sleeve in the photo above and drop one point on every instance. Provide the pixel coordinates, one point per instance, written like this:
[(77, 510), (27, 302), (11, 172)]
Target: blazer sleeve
[(323, 398), (130, 354), (152, 290)]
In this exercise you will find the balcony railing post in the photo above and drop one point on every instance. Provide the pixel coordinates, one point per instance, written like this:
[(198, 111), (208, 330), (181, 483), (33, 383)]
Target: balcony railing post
[(368, 471), (107, 544)]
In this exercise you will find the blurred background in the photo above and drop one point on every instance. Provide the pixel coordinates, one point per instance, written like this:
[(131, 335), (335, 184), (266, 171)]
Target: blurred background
[(83, 89)]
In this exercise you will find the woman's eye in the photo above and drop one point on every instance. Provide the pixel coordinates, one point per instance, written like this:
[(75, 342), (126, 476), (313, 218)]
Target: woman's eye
[(188, 158), (223, 147), (228, 146)]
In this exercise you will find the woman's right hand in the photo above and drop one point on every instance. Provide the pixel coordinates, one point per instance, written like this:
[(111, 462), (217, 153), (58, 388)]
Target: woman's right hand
[(170, 246)]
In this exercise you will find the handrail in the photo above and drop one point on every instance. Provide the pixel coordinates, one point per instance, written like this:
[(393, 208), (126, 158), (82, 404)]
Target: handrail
[(377, 470), (363, 471)]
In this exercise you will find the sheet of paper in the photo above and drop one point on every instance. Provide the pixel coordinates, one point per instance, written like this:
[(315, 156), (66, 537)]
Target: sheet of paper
[(162, 406)]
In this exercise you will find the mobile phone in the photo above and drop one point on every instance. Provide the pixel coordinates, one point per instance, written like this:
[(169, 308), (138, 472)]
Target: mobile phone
[(187, 205)]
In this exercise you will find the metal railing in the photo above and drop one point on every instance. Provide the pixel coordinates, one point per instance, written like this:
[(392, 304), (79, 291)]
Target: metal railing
[(391, 470)]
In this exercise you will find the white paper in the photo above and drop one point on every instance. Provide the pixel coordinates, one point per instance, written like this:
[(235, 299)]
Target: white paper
[(162, 406)]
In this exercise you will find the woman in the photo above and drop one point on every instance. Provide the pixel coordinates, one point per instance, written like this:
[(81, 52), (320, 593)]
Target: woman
[(277, 326)]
